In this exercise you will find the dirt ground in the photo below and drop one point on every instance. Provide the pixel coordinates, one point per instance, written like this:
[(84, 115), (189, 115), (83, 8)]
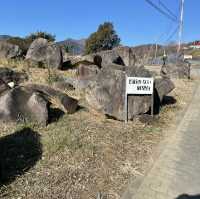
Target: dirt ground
[(82, 155)]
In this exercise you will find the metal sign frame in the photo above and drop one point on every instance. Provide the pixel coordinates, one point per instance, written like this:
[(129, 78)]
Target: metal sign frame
[(132, 93)]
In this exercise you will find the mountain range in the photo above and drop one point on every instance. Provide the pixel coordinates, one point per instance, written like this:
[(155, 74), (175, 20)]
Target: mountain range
[(4, 37)]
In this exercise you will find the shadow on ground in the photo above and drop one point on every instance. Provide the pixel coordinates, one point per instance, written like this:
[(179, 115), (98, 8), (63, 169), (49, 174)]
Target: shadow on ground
[(185, 196), (158, 104), (168, 100), (55, 114), (18, 153)]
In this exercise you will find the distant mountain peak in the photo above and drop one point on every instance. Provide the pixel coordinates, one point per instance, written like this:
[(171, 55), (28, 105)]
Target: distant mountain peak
[(76, 46)]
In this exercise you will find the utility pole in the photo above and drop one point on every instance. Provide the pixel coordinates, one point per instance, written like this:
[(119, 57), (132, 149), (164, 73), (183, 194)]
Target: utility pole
[(156, 50), (181, 25)]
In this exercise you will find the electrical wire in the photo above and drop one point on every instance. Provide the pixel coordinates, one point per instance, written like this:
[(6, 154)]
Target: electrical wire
[(161, 11), (172, 34), (158, 38), (167, 9)]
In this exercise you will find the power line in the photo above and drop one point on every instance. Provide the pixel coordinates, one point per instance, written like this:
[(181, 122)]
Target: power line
[(167, 9), (161, 11), (159, 37), (172, 34)]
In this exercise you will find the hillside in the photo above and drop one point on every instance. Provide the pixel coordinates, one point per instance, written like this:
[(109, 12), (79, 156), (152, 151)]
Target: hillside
[(4, 37), (74, 46)]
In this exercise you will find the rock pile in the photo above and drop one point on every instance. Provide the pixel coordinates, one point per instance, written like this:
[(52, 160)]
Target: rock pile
[(104, 86), (176, 67)]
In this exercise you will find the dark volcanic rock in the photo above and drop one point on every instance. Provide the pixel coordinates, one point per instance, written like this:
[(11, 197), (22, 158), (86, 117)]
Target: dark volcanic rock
[(176, 67), (31, 102), (8, 75), (3, 87), (179, 70), (117, 58), (122, 55), (9, 51), (87, 71), (106, 93), (20, 104), (65, 102), (163, 86), (126, 54), (43, 52)]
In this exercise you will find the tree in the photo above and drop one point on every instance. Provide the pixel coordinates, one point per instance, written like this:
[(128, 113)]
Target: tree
[(104, 39), (24, 43), (21, 42), (40, 34)]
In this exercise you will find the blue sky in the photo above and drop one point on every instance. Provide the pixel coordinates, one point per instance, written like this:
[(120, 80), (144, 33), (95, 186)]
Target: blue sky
[(135, 21)]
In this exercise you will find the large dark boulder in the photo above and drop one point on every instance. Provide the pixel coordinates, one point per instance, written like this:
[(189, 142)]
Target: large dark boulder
[(106, 93), (45, 53), (65, 102), (180, 70), (31, 103), (9, 51), (163, 86), (19, 104), (176, 67), (9, 75)]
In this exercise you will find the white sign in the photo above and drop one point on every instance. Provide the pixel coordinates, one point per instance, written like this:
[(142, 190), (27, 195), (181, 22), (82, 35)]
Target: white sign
[(139, 85)]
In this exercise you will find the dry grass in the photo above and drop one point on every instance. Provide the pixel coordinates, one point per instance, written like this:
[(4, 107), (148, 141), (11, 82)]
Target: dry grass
[(84, 154)]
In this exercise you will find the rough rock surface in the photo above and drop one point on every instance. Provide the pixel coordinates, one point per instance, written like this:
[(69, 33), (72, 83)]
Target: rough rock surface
[(3, 87), (43, 52), (121, 56), (65, 102), (116, 58), (163, 86), (126, 54), (176, 67), (31, 102), (8, 75), (179, 70), (9, 51), (87, 71), (20, 104), (106, 93)]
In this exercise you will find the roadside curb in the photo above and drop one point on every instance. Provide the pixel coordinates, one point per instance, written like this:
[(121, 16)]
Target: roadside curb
[(135, 183)]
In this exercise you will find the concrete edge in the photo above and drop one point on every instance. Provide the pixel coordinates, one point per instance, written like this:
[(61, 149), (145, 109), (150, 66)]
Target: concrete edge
[(135, 183)]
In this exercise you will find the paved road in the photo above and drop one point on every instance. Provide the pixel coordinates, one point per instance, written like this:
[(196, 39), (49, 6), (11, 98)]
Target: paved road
[(177, 170)]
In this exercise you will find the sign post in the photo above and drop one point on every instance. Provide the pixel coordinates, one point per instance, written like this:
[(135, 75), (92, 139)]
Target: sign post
[(126, 101), (138, 86)]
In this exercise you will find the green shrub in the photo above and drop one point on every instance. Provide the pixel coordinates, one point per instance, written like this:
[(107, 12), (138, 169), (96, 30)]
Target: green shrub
[(104, 39), (21, 42), (24, 43), (40, 34)]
